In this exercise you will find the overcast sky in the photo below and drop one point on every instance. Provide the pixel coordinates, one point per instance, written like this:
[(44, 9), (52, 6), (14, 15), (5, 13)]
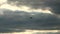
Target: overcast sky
[(19, 15)]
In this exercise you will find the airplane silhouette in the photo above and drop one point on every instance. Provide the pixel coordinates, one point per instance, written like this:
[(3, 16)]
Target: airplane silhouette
[(30, 17)]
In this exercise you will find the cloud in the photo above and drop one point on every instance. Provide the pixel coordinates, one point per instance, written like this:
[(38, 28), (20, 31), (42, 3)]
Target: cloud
[(30, 3), (15, 21), (47, 33), (38, 4), (54, 5)]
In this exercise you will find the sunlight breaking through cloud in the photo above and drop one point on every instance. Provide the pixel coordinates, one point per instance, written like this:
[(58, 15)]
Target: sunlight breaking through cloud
[(3, 1), (24, 8), (35, 32), (25, 17)]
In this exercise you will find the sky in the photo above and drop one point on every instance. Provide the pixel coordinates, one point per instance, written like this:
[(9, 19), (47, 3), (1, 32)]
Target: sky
[(22, 8), (22, 15)]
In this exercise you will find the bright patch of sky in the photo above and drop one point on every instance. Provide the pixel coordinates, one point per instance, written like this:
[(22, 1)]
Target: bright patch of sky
[(34, 32), (3, 1), (21, 8)]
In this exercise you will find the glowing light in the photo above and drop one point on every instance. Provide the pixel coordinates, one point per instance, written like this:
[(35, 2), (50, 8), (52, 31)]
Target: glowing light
[(3, 1), (7, 6), (25, 8), (41, 10), (34, 31)]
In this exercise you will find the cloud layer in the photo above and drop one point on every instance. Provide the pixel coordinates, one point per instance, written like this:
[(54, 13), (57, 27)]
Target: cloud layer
[(18, 21), (38, 4)]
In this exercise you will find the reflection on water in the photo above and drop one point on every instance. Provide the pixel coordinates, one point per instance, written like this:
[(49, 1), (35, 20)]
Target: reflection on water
[(36, 32)]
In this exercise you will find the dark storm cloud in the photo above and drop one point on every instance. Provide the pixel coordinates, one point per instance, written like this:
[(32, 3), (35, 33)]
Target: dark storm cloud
[(30, 3), (37, 4), (19, 21), (54, 5)]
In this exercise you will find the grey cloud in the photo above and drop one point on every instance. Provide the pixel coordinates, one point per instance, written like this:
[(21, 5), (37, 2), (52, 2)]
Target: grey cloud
[(54, 5), (30, 3), (37, 4), (20, 21)]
